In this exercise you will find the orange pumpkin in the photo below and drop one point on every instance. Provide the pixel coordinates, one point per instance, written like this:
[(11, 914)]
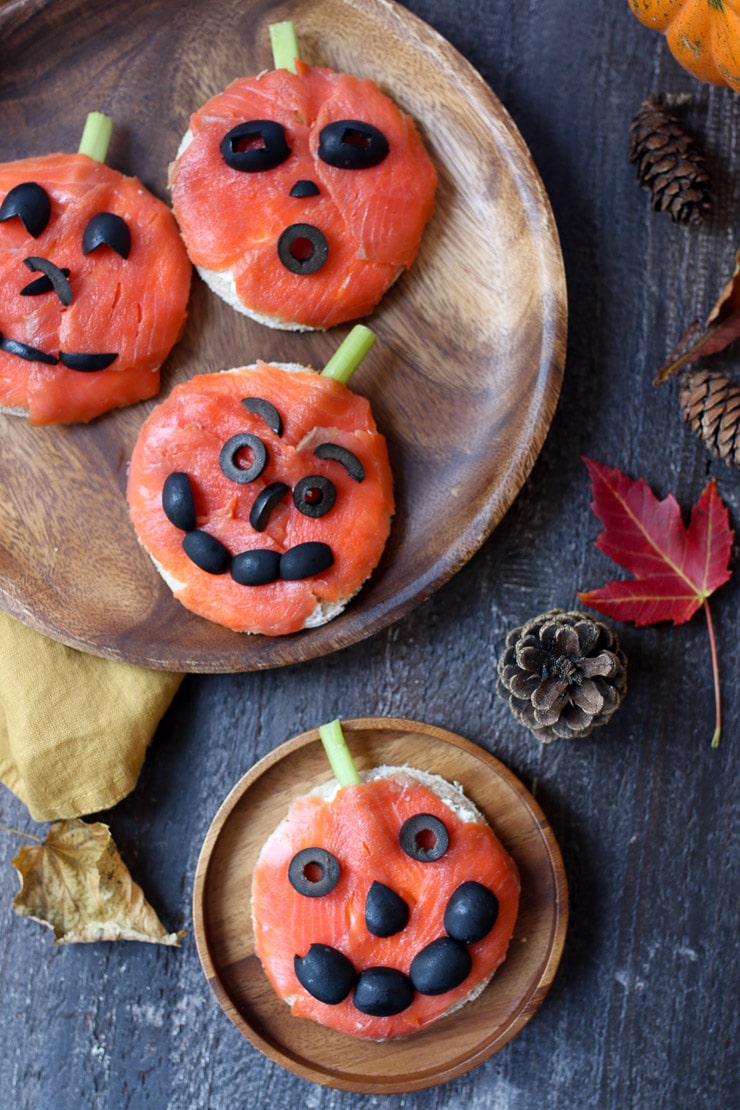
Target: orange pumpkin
[(703, 35)]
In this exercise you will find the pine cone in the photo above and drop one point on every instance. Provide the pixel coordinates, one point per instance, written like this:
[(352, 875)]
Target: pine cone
[(710, 402), (669, 165), (562, 673)]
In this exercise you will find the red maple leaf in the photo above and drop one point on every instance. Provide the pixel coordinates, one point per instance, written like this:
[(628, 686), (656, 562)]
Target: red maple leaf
[(675, 568)]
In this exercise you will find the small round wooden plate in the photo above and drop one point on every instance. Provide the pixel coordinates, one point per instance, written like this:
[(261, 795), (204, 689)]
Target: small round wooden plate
[(223, 931), (464, 377)]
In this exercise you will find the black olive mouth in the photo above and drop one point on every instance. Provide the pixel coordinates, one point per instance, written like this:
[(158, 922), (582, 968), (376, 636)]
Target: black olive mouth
[(84, 361), (303, 248)]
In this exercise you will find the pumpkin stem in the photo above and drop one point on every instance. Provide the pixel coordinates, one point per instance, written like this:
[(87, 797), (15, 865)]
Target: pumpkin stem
[(349, 354), (284, 42), (96, 136), (338, 754)]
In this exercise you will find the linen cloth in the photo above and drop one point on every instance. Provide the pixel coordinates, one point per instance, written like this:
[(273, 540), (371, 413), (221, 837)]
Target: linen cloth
[(74, 728)]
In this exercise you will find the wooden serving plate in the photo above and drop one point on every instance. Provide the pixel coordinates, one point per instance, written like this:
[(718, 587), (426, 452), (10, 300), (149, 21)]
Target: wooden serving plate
[(453, 1045), (464, 377)]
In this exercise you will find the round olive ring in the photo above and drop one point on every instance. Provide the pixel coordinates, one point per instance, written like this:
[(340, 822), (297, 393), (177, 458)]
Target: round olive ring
[(313, 872), (314, 495), (302, 249), (228, 461), (424, 837)]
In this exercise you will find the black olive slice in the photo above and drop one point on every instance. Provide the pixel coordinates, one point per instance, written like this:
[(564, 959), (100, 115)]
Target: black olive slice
[(383, 992), (206, 552), (87, 362), (177, 501), (339, 454), (55, 275), (254, 146), (304, 188), (386, 913), (313, 872), (40, 285), (302, 249), (268, 412), (314, 495), (228, 458), (256, 568), (264, 503), (424, 837), (30, 203), (305, 560), (107, 229), (440, 966), (325, 973), (471, 912), (23, 350), (350, 144)]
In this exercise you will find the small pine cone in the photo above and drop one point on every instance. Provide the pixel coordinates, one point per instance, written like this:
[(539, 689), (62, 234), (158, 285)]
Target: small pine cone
[(562, 673), (669, 165), (710, 402)]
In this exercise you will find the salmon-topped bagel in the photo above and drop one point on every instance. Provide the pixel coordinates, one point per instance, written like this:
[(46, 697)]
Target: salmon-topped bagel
[(383, 904), (302, 194), (95, 282), (263, 494)]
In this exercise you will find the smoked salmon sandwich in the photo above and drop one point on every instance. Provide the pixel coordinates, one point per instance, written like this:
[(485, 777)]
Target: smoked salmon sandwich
[(383, 901), (302, 193)]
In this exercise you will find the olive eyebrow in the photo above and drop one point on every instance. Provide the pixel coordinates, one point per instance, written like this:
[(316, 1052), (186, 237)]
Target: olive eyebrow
[(339, 454), (260, 407)]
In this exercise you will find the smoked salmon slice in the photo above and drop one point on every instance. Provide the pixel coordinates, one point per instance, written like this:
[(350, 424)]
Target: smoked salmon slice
[(302, 195), (88, 315)]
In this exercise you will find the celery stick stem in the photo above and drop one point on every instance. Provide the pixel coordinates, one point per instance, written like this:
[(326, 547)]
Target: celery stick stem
[(96, 136), (338, 754), (349, 354), (284, 44)]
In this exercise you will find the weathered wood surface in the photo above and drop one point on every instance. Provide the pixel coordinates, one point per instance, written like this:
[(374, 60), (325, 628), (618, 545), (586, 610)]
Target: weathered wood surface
[(643, 1010)]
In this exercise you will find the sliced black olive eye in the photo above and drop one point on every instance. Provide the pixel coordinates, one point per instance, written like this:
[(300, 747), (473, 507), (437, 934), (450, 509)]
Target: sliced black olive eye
[(228, 459), (107, 229), (254, 146), (424, 837), (350, 144), (31, 204), (313, 872), (314, 495)]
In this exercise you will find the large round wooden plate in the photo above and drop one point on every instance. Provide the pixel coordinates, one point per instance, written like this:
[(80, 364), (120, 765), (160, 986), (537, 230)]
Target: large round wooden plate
[(463, 379), (223, 932)]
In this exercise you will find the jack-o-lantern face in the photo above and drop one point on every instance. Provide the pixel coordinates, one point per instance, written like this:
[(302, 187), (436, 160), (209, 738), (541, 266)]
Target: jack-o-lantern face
[(301, 196), (377, 910), (264, 494), (95, 282)]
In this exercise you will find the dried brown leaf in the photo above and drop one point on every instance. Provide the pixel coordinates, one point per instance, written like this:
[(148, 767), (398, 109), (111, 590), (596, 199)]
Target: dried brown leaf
[(77, 884), (722, 327)]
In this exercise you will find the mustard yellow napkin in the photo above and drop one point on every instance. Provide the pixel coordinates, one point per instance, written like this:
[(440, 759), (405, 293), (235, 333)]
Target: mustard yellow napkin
[(74, 728)]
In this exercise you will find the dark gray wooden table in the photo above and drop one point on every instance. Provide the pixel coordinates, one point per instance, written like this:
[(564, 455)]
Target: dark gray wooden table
[(643, 1011)]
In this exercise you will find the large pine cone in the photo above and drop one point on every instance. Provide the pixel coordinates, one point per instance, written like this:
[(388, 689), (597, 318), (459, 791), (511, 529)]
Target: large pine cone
[(562, 673), (669, 164)]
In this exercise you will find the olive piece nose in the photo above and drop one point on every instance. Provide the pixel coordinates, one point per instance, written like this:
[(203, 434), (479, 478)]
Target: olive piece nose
[(386, 913), (304, 188), (53, 279)]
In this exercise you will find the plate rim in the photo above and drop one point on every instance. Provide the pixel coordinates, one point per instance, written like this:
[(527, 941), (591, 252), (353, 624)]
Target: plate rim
[(526, 1007)]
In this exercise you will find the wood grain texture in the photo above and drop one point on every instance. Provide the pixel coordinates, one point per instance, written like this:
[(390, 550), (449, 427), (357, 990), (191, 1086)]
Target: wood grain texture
[(463, 380), (642, 1013), (224, 936)]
